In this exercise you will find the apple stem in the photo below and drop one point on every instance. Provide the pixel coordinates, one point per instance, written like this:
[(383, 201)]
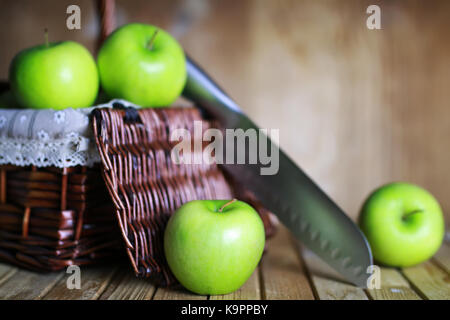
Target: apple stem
[(152, 39), (407, 215), (46, 37), (226, 205)]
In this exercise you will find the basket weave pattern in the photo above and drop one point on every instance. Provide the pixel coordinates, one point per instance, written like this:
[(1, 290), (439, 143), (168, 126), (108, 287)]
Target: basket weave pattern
[(51, 218)]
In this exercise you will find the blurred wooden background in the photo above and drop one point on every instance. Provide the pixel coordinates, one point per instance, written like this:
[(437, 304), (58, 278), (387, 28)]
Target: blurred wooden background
[(356, 108)]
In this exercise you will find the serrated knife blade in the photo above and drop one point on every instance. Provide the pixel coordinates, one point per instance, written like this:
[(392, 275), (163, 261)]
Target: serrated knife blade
[(311, 216)]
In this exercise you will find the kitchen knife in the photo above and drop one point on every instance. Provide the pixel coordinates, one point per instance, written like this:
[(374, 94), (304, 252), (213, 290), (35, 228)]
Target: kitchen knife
[(311, 216)]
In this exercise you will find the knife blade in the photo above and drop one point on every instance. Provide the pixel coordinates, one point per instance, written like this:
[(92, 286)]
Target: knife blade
[(310, 215)]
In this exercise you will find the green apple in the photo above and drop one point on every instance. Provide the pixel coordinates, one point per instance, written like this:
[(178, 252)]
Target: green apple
[(403, 224), (213, 246), (54, 75), (142, 64)]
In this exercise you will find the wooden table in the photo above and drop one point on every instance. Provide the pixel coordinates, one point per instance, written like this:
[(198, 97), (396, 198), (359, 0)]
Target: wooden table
[(286, 272)]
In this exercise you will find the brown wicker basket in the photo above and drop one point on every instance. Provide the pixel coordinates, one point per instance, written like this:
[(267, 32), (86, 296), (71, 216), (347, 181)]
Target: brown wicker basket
[(54, 217)]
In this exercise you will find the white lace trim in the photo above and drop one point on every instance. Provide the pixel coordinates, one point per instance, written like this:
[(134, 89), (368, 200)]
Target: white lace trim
[(54, 138), (67, 152)]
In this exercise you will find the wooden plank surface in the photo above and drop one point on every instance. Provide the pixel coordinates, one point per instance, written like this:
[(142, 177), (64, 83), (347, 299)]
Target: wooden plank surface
[(249, 291), (176, 293), (283, 274), (442, 257), (94, 280), (126, 286), (328, 289), (6, 271), (26, 285), (327, 284), (393, 287), (430, 280)]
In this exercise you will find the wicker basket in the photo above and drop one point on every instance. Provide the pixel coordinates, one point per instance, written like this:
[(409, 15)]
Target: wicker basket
[(54, 217)]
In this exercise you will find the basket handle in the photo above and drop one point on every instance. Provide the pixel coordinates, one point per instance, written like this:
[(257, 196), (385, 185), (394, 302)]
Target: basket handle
[(106, 11)]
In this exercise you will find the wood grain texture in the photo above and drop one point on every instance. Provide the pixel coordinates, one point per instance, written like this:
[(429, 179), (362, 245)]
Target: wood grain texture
[(27, 285), (327, 284), (393, 287), (352, 105), (176, 293), (6, 271), (126, 286), (94, 281), (333, 290), (283, 275), (249, 291), (430, 280), (442, 257)]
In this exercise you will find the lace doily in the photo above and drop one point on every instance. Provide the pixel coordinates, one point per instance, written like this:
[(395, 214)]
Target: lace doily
[(59, 138)]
